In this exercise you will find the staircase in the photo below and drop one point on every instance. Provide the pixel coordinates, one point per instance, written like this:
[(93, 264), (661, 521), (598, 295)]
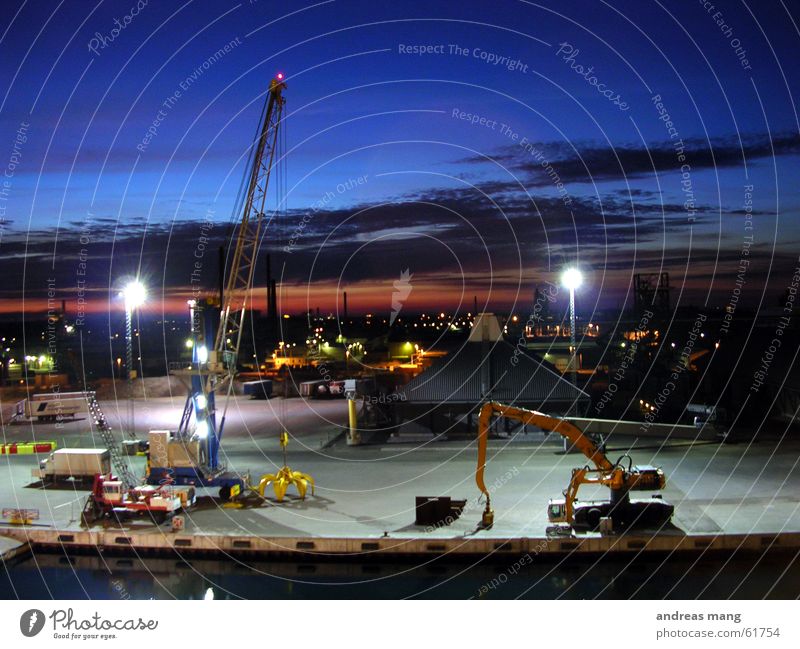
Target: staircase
[(118, 461)]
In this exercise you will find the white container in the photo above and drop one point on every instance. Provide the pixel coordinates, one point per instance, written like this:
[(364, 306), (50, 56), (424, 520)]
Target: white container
[(75, 462)]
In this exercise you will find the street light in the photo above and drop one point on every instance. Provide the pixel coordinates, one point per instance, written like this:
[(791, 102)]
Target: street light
[(134, 295), (572, 279)]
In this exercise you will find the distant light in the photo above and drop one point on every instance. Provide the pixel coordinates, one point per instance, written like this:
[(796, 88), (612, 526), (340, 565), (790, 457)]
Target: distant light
[(134, 294), (279, 76), (201, 402), (189, 343), (672, 345), (286, 316), (42, 359), (202, 354), (572, 278)]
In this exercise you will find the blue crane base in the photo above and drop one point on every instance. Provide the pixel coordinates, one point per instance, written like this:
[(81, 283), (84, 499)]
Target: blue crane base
[(194, 476)]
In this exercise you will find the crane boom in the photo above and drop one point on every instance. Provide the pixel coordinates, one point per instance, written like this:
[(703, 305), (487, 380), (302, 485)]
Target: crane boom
[(571, 432), (213, 370), (222, 360), (242, 266)]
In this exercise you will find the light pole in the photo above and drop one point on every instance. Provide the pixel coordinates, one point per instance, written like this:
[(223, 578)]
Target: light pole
[(572, 278), (134, 295)]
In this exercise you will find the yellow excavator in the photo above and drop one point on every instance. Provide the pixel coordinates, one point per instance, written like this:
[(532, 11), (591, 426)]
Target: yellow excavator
[(620, 477)]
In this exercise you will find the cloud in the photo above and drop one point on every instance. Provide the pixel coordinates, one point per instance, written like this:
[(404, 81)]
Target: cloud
[(590, 162), (491, 232)]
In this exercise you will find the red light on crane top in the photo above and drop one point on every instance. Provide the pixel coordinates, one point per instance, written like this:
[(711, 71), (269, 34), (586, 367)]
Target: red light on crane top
[(279, 76)]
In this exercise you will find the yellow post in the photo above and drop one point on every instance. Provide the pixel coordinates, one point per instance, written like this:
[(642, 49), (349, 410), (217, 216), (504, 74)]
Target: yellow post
[(353, 436)]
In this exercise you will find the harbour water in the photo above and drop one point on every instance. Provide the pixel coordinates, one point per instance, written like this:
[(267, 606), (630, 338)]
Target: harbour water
[(701, 575)]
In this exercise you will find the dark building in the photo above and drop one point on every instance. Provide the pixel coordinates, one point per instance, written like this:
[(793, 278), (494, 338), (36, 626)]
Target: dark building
[(445, 398)]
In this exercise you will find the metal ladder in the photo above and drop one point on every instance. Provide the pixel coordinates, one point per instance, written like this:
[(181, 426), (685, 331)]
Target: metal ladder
[(118, 461)]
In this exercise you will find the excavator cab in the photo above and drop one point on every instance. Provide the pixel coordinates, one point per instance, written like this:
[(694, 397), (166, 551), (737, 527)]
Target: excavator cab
[(557, 511)]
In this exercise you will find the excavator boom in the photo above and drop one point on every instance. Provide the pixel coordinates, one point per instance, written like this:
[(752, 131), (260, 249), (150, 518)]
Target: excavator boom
[(569, 431)]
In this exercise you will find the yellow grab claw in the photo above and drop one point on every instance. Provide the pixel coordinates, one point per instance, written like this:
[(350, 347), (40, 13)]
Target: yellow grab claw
[(281, 481)]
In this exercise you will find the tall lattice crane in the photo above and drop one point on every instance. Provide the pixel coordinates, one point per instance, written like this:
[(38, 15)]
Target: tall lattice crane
[(213, 369)]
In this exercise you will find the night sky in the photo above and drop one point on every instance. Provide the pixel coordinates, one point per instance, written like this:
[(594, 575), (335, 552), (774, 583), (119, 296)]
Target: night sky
[(483, 146)]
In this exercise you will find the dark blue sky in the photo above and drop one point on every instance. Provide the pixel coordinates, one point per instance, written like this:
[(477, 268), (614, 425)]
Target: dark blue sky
[(467, 208)]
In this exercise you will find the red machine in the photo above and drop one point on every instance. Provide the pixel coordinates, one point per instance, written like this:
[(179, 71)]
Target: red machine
[(111, 498)]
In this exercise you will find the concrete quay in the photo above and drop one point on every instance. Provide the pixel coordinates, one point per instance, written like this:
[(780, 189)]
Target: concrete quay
[(743, 496)]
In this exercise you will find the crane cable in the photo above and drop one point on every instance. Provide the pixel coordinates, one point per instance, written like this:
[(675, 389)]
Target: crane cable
[(278, 227)]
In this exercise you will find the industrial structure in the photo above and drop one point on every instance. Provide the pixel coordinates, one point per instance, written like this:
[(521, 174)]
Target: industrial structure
[(215, 351)]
